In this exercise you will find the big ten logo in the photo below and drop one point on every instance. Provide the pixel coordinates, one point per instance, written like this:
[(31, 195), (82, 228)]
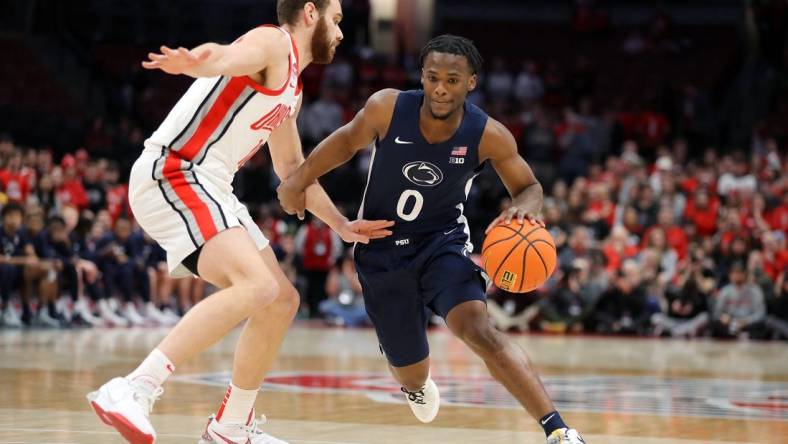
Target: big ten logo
[(457, 160), (273, 118), (507, 280)]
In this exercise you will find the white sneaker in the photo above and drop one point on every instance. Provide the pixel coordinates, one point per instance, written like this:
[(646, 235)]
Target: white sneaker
[(120, 405), (82, 312), (154, 314), (43, 319), (11, 318), (132, 315), (216, 432), (565, 436), (64, 308), (109, 316), (170, 313), (425, 402)]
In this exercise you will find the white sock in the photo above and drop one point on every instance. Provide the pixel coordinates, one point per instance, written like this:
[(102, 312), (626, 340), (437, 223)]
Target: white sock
[(237, 406), (153, 371)]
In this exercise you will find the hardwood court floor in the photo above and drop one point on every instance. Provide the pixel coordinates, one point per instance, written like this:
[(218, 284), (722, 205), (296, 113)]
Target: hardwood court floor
[(331, 386)]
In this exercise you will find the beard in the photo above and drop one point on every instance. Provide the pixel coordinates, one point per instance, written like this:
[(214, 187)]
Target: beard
[(322, 51)]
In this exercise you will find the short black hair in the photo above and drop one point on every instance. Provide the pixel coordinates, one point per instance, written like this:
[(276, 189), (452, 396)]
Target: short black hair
[(11, 207), (454, 44), (56, 220)]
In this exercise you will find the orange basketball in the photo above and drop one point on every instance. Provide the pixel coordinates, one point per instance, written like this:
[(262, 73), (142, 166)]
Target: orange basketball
[(519, 257)]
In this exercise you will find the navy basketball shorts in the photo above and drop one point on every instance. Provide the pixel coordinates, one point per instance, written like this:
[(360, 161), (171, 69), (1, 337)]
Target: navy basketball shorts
[(404, 279)]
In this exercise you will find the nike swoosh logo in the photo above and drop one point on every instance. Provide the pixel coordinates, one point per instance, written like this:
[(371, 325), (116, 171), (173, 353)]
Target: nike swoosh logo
[(402, 142), (547, 419), (229, 441), (450, 231)]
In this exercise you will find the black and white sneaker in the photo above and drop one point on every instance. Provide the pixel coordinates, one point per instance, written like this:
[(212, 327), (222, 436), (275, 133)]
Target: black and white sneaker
[(424, 402)]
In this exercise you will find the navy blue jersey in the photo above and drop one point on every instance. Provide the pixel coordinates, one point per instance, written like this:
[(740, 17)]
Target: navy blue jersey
[(422, 187), (13, 245)]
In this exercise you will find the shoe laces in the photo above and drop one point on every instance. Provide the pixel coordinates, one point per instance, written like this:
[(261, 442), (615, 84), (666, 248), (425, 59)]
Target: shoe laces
[(252, 428), (417, 396), (148, 399)]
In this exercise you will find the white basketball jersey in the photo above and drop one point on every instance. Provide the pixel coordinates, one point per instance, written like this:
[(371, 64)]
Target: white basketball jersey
[(220, 122)]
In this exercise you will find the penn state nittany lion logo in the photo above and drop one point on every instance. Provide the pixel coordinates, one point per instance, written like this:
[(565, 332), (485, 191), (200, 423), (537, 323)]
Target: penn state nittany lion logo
[(422, 173)]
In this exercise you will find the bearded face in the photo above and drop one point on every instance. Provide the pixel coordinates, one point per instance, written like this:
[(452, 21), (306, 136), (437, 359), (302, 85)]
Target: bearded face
[(323, 48)]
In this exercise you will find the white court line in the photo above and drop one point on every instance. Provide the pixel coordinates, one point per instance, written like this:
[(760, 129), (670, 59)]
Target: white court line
[(31, 442), (107, 432)]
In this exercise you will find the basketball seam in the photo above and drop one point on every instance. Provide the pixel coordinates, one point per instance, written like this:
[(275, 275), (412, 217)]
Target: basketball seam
[(505, 239), (530, 244), (503, 261)]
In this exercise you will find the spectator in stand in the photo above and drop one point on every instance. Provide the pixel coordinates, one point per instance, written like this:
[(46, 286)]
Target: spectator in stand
[(528, 85), (646, 205), (21, 270), (123, 268), (568, 306), (671, 197), (17, 181), (159, 308), (600, 212), (702, 212), (345, 303), (777, 318), (539, 143), (737, 179), (687, 303), (675, 235), (499, 81), (117, 193), (729, 254), (740, 309), (319, 247), (71, 191), (577, 247), (617, 248), (775, 253), (631, 221), (623, 309), (94, 188), (44, 196), (322, 117), (45, 274)]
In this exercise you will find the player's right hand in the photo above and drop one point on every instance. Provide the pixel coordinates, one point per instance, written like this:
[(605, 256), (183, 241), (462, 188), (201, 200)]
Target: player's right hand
[(175, 61), (292, 199), (362, 230)]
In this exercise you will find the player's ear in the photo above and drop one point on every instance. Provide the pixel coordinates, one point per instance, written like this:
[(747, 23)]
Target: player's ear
[(310, 13), (472, 82), (421, 78)]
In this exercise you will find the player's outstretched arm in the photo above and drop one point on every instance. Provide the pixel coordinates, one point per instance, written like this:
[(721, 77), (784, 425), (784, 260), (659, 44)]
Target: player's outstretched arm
[(249, 54), (286, 156), (498, 145), (369, 123)]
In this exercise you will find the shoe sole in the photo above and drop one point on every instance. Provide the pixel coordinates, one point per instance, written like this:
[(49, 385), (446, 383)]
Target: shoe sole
[(119, 422)]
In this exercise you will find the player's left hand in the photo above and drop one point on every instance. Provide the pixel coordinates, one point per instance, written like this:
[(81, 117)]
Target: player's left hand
[(362, 230), (516, 212), (293, 200), (175, 61)]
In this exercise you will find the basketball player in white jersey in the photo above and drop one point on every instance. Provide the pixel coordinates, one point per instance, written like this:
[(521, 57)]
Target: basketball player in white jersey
[(246, 94)]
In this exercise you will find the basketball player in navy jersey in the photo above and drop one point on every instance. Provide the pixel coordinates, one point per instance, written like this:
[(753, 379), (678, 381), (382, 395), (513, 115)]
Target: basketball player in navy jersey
[(429, 145)]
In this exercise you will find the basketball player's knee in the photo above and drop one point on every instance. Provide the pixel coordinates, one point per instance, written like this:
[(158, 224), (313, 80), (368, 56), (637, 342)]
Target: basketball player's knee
[(482, 336), (288, 301), (257, 292)]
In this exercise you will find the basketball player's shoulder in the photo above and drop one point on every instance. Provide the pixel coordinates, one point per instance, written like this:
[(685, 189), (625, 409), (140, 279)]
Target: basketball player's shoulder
[(496, 137), (383, 100), (380, 107), (271, 38)]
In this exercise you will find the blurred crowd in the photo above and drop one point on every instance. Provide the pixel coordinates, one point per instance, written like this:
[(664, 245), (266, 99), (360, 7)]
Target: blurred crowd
[(669, 209)]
